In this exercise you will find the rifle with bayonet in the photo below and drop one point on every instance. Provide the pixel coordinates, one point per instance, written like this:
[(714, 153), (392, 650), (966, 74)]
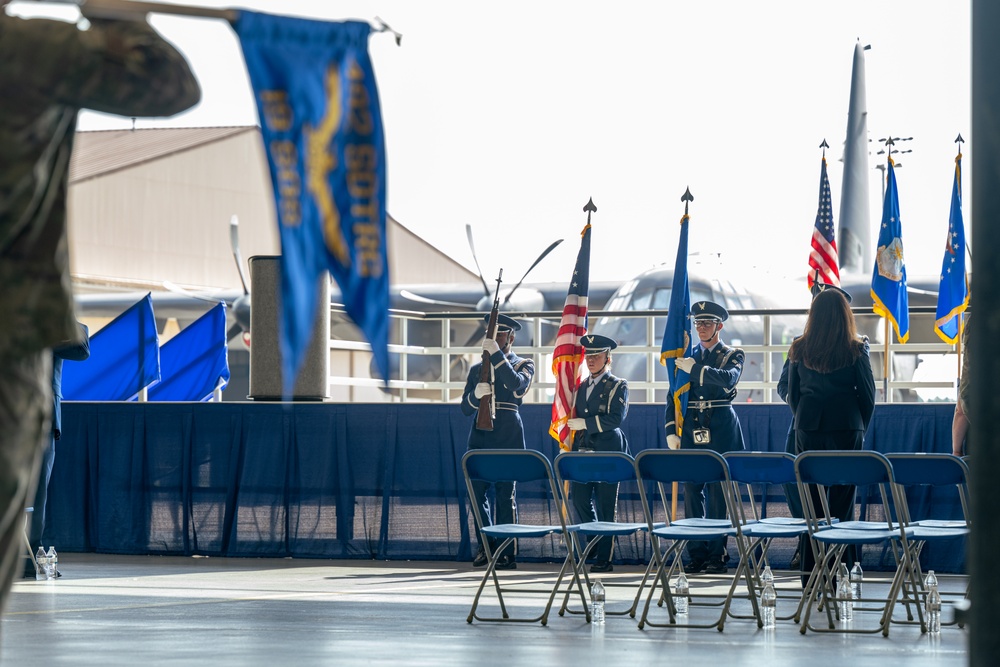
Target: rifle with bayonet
[(488, 404)]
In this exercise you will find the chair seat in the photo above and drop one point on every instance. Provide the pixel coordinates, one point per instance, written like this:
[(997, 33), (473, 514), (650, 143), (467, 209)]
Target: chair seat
[(506, 530), (866, 536), (602, 528), (922, 533), (774, 530), (675, 532), (939, 523), (866, 525), (703, 523)]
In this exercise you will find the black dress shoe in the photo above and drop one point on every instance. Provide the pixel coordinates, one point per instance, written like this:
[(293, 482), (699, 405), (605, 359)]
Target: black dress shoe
[(694, 567), (506, 563), (602, 566), (480, 560), (715, 567)]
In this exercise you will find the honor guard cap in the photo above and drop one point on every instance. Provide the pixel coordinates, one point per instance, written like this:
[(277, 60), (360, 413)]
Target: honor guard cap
[(595, 344), (505, 323), (819, 287), (707, 310)]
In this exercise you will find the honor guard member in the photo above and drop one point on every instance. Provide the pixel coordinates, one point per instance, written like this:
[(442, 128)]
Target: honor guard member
[(601, 406), (709, 422), (511, 379)]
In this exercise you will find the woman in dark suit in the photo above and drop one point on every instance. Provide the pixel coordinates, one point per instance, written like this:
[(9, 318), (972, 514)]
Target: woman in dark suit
[(831, 391)]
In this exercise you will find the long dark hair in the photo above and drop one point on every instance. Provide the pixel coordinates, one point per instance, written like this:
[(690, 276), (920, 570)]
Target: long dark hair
[(830, 340)]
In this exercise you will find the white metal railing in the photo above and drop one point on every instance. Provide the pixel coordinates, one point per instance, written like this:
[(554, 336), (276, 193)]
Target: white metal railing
[(431, 353)]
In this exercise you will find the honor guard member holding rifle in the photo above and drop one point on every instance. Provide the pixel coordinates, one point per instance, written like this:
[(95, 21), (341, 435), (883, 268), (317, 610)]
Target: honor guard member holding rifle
[(511, 378), (601, 406), (709, 422)]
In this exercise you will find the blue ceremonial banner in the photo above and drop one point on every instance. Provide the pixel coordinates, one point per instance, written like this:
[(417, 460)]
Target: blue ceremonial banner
[(953, 292), (322, 131), (889, 276), (677, 333)]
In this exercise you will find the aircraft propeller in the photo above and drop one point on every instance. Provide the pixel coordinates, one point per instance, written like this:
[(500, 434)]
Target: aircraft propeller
[(241, 305)]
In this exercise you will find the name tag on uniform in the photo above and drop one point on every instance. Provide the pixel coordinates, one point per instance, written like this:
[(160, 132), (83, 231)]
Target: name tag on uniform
[(701, 436)]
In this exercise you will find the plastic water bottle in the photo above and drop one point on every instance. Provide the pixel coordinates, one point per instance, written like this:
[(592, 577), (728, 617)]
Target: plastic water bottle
[(41, 564), (53, 562), (768, 598), (681, 590), (857, 576), (845, 604), (933, 603), (597, 599)]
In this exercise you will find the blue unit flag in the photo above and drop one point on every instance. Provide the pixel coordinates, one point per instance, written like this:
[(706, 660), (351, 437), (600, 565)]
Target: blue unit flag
[(124, 359), (953, 292), (677, 333), (322, 129), (889, 275)]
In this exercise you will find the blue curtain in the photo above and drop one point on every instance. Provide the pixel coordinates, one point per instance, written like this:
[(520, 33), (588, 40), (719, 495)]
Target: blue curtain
[(375, 481)]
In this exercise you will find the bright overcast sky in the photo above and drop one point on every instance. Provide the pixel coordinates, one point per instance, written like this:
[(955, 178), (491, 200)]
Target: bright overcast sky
[(508, 116)]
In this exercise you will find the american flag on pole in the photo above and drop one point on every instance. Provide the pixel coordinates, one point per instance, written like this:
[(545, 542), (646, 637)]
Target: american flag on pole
[(568, 353), (823, 253)]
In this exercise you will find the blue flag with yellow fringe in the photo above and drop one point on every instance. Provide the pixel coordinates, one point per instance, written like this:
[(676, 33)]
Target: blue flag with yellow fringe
[(889, 275), (953, 291), (322, 129), (677, 334)]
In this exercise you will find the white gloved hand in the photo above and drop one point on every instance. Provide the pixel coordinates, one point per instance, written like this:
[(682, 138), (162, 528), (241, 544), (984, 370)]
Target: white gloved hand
[(673, 442), (685, 364), (577, 424), (483, 389), (490, 345)]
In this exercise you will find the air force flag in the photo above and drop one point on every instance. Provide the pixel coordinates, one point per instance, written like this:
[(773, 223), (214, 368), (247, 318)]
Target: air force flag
[(322, 130), (889, 275)]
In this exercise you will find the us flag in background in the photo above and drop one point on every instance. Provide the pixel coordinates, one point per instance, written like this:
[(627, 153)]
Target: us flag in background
[(823, 253), (568, 353)]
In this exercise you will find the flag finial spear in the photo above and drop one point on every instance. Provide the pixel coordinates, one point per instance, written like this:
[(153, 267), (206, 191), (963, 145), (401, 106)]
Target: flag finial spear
[(590, 208), (687, 197)]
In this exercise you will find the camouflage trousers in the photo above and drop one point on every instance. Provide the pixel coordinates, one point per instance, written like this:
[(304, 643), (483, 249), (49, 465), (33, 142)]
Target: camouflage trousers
[(25, 410)]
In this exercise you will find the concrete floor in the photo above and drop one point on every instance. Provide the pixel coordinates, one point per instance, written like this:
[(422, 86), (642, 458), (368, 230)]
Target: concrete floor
[(148, 610)]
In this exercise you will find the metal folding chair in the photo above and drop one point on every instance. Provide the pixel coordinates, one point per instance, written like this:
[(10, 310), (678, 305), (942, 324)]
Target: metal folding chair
[(816, 472), (663, 467), (517, 466), (762, 470), (586, 467), (933, 473)]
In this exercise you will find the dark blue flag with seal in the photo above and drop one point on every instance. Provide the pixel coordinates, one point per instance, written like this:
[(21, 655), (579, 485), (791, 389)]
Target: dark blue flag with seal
[(677, 333), (322, 129), (889, 296)]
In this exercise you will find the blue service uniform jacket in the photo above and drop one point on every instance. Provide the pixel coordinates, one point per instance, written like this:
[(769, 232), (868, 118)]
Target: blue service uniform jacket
[(74, 352), (604, 412), (712, 379), (512, 377)]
